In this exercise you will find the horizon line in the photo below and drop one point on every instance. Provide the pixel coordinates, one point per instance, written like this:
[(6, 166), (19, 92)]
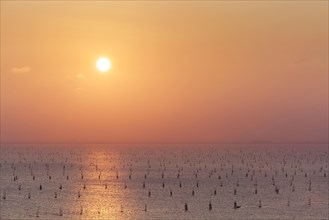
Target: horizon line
[(170, 143)]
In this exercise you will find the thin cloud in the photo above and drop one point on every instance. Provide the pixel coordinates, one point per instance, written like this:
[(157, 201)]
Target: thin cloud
[(80, 76), (24, 69), (78, 89), (301, 60)]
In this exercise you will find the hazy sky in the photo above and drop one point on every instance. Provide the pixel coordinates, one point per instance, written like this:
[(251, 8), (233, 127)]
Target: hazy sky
[(188, 72)]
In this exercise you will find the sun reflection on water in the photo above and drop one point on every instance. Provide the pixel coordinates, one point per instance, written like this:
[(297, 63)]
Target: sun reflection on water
[(105, 195)]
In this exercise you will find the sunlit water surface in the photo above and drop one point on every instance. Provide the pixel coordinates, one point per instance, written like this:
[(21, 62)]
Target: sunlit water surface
[(156, 181)]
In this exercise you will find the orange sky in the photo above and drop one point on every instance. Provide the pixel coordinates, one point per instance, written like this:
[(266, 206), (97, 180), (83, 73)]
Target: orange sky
[(182, 72)]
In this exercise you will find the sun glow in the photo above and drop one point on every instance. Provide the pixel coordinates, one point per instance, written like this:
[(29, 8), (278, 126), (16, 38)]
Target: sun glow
[(103, 64)]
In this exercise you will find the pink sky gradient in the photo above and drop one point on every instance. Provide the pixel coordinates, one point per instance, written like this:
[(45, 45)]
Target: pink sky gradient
[(183, 72)]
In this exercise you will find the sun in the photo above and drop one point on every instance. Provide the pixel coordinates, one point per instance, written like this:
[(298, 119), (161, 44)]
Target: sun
[(103, 64)]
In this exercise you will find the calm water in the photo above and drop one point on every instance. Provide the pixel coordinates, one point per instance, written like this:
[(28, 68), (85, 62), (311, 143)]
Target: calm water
[(155, 182)]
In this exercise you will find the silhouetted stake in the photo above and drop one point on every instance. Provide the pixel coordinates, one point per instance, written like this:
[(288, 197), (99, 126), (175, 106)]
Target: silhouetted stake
[(309, 201), (210, 206), (234, 191), (149, 193), (145, 208), (256, 191), (84, 186), (4, 196), (29, 196), (40, 187), (19, 187), (60, 186), (277, 190), (215, 192), (170, 192), (180, 184), (260, 204), (192, 192), (288, 202), (186, 208), (236, 206)]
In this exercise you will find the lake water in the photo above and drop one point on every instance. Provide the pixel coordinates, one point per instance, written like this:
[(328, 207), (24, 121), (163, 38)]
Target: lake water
[(159, 181)]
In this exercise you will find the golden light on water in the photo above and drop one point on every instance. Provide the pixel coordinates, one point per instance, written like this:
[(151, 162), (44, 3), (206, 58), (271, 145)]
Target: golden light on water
[(105, 195)]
